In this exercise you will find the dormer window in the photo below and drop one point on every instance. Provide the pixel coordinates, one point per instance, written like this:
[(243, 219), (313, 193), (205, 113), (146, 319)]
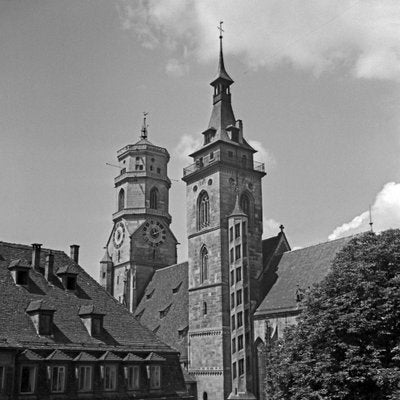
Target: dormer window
[(140, 313), (208, 135), (68, 277), (71, 283), (176, 289), (92, 319), (183, 332), (150, 294), (41, 315), (164, 312), (20, 272)]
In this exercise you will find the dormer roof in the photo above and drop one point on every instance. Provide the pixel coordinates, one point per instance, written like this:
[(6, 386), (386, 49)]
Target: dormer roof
[(58, 355), (29, 355), (109, 356), (132, 358), (19, 264), (67, 270), (40, 305), (90, 309), (85, 357), (155, 357)]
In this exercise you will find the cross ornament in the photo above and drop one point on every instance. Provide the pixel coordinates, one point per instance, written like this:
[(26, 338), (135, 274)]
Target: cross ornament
[(220, 29)]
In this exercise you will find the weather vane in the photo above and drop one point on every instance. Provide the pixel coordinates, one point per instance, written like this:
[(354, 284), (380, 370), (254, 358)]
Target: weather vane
[(144, 127), (220, 29)]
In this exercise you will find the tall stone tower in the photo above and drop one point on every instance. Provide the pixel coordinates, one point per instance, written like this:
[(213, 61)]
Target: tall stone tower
[(223, 169), (141, 240)]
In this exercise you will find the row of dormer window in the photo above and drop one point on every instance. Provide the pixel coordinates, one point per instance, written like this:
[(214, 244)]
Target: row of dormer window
[(42, 313), (20, 273)]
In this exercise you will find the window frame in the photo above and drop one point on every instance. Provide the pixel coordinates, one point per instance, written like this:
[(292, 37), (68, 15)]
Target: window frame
[(237, 230), (203, 264), (58, 389), (111, 367), (121, 199), (155, 383), (237, 252), (239, 319), (86, 388), (203, 210), (133, 379), (239, 297), (154, 197), (2, 377), (33, 380), (241, 367)]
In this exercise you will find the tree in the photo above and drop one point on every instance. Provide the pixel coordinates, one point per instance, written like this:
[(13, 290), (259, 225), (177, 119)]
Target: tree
[(346, 343)]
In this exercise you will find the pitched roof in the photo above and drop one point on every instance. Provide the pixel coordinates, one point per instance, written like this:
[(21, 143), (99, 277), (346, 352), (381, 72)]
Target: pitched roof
[(154, 357), (58, 355), (121, 330), (169, 286), (109, 356), (132, 358), (18, 264), (89, 309), (297, 269), (85, 357), (39, 305), (29, 355)]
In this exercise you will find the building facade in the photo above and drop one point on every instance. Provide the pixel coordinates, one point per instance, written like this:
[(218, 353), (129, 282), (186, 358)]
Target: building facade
[(63, 336)]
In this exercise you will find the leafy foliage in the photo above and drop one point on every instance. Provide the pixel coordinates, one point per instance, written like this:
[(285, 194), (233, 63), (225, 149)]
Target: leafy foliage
[(346, 344)]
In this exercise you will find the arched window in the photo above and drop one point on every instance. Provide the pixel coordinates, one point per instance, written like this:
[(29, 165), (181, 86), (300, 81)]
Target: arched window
[(203, 210), (204, 265), (121, 200), (204, 308), (245, 203), (154, 198), (205, 396)]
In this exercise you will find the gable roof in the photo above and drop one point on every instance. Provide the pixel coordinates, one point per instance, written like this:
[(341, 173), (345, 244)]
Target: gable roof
[(297, 269), (121, 330), (169, 286)]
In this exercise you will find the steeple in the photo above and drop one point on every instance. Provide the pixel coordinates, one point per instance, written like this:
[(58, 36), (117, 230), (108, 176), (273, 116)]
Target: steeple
[(222, 75), (222, 113)]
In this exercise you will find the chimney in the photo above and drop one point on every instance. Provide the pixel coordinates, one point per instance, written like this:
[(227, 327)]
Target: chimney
[(75, 252), (36, 256), (49, 266)]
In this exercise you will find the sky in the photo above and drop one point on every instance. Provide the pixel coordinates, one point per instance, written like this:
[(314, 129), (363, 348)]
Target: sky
[(317, 85)]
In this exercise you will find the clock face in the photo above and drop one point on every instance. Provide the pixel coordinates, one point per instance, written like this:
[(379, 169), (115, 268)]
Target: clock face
[(119, 234), (154, 232)]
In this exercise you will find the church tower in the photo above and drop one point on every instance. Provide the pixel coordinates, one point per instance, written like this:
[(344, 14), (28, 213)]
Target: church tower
[(223, 169), (141, 240)]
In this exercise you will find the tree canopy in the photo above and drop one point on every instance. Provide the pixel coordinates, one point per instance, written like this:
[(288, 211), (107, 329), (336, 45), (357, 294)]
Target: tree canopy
[(346, 342)]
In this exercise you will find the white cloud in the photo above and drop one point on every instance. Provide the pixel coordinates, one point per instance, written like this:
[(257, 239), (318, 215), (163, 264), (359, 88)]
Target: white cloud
[(187, 145), (263, 155), (270, 227), (385, 214), (318, 35), (176, 68)]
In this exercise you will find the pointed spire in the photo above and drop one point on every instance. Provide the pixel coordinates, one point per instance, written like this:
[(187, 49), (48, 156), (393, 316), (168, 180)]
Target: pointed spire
[(221, 74), (237, 210), (144, 127)]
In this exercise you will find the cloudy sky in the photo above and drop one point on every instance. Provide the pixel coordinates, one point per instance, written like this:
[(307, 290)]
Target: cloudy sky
[(317, 85)]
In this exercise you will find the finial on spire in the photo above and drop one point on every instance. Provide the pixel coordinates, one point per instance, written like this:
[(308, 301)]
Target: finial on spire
[(370, 219), (144, 127), (221, 74), (220, 29), (281, 227)]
